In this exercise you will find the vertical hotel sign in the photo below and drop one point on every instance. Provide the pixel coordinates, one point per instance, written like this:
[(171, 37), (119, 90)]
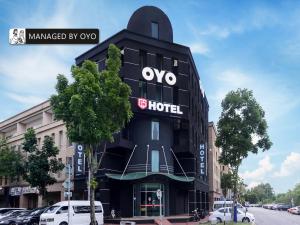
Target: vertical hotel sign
[(79, 160), (203, 160)]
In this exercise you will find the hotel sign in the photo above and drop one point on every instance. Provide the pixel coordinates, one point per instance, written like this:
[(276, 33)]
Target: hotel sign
[(203, 161), (158, 106), (79, 160), (149, 73)]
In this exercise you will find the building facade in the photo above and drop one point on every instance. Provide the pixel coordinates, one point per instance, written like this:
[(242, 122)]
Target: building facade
[(17, 193), (164, 147), (214, 167)]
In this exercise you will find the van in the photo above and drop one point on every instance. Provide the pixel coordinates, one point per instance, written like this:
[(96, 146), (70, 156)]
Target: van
[(221, 204), (57, 214)]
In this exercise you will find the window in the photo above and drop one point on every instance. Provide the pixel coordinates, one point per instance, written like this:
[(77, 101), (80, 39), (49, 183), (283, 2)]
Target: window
[(155, 161), (142, 89), (174, 66), (63, 209), (175, 95), (155, 130), (143, 58), (53, 137), (154, 30), (159, 92), (86, 209), (60, 140), (159, 61)]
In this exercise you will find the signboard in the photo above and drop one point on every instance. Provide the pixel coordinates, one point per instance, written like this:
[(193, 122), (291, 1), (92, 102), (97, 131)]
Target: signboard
[(158, 193), (79, 162), (203, 161), (17, 191), (158, 106), (149, 74), (68, 184), (66, 194)]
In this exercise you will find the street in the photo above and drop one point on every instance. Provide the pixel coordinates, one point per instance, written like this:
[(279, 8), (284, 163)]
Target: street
[(274, 217)]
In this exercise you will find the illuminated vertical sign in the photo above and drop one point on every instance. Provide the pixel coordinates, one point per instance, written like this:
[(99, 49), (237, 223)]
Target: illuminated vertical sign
[(203, 161), (79, 160)]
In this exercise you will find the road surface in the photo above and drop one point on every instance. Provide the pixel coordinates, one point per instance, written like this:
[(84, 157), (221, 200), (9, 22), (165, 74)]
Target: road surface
[(274, 217)]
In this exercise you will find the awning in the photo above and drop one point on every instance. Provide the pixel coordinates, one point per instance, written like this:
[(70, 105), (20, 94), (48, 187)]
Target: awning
[(140, 175)]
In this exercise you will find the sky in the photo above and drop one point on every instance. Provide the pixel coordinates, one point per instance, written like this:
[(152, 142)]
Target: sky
[(235, 44)]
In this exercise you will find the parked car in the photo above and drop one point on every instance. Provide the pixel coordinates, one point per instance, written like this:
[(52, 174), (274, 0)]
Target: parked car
[(242, 216), (4, 210), (31, 218), (12, 219), (10, 213), (79, 213), (283, 207), (294, 210), (222, 204)]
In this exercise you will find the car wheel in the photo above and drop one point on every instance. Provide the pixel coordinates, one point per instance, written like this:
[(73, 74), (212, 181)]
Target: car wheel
[(246, 220), (63, 223), (96, 223), (219, 220)]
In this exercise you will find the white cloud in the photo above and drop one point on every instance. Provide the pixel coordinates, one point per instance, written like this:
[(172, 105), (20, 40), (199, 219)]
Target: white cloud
[(291, 165), (264, 167), (27, 100), (199, 48), (253, 184), (273, 95)]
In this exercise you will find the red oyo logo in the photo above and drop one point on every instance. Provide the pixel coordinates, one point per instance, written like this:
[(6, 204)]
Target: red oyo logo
[(142, 103)]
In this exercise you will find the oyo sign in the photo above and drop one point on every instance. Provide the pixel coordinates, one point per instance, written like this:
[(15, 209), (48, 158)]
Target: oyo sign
[(149, 73), (158, 106)]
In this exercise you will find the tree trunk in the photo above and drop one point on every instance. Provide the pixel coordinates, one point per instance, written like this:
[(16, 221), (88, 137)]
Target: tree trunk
[(92, 201)]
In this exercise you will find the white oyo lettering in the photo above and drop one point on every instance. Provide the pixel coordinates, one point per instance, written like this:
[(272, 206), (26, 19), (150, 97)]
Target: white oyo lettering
[(148, 74), (170, 78)]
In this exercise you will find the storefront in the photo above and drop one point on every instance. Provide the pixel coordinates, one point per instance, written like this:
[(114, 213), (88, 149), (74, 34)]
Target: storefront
[(163, 150)]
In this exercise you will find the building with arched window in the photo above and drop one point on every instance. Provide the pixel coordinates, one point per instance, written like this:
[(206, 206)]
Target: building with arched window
[(164, 147)]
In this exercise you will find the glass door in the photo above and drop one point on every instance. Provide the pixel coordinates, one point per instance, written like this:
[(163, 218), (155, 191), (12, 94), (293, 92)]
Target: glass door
[(149, 204)]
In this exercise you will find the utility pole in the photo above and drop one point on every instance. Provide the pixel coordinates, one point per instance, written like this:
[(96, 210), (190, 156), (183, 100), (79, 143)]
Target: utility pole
[(69, 191)]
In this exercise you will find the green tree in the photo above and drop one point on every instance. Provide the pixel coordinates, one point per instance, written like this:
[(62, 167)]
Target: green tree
[(242, 129), (41, 163), (226, 182), (94, 107), (11, 161)]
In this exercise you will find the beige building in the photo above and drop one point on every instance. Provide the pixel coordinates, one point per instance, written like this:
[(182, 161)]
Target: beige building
[(40, 118), (214, 167)]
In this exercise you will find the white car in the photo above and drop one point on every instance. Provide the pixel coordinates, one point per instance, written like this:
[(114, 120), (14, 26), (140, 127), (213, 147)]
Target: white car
[(218, 215), (79, 213)]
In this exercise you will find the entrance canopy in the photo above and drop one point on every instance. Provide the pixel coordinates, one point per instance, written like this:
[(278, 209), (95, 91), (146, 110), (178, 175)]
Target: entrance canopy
[(141, 175)]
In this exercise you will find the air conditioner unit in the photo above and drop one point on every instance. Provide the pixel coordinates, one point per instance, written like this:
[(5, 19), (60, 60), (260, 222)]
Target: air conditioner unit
[(175, 63)]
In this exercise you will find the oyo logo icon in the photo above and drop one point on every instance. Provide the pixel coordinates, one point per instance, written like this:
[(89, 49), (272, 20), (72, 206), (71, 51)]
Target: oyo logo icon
[(149, 73), (142, 103)]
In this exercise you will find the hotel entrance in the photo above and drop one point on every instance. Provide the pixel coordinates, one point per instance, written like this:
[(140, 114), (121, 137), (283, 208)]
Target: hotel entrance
[(146, 201)]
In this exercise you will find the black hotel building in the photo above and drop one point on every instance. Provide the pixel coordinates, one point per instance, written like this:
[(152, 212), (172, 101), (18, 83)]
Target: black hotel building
[(164, 145)]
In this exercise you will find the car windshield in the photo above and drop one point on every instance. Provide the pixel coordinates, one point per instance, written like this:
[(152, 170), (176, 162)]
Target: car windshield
[(8, 213), (35, 212), (52, 209)]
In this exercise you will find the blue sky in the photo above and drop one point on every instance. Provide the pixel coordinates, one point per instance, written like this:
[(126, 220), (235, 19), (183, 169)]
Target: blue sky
[(246, 44)]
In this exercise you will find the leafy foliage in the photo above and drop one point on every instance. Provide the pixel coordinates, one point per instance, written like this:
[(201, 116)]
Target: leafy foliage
[(41, 163), (11, 161), (287, 197), (226, 182), (94, 107), (242, 127), (260, 194)]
